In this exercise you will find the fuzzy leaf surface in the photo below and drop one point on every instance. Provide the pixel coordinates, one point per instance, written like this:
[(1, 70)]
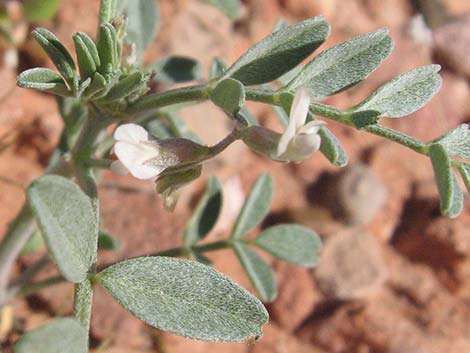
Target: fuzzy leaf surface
[(449, 190), (255, 207), (205, 214), (261, 275), (292, 243), (68, 224), (185, 298), (56, 336), (404, 94), (279, 52), (344, 65)]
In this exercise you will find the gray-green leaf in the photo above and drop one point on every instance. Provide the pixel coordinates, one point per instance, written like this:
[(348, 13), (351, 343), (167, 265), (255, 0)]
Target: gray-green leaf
[(205, 214), (230, 8), (68, 223), (57, 336), (57, 53), (332, 149), (229, 95), (255, 207), (449, 190), (344, 65), (142, 23), (404, 94), (464, 169), (292, 243), (186, 298), (87, 55), (107, 242), (176, 69), (457, 141), (44, 80), (279, 52), (261, 275), (217, 69)]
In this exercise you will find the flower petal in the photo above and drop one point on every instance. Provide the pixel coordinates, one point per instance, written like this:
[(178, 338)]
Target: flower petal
[(131, 133), (119, 168), (134, 156), (312, 127), (301, 147), (299, 107)]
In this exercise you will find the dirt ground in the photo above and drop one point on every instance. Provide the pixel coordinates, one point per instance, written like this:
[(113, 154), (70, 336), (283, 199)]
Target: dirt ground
[(394, 275)]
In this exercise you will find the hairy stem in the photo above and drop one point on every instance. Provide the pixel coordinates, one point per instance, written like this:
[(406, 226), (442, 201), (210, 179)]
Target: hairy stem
[(271, 97), (82, 302), (174, 96)]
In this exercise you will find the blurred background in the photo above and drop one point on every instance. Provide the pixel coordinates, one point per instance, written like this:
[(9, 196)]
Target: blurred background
[(394, 275)]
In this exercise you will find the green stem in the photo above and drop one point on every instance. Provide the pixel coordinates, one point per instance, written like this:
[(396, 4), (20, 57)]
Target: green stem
[(82, 302), (175, 96), (98, 163), (396, 136), (271, 97)]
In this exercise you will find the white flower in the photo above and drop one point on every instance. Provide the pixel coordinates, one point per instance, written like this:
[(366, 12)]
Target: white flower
[(138, 153), (146, 157), (300, 140)]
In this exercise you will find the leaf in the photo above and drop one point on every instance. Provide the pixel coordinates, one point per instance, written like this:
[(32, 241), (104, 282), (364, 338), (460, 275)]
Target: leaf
[(34, 244), (261, 275), (200, 257), (205, 214), (464, 169), (176, 69), (365, 118), (230, 8), (57, 53), (179, 128), (107, 242), (68, 224), (127, 86), (87, 55), (54, 337), (279, 52), (332, 149), (107, 48), (255, 207), (457, 141), (405, 93), (40, 10), (44, 80), (344, 65), (229, 95), (185, 298), (142, 23), (292, 243), (217, 69), (449, 190)]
